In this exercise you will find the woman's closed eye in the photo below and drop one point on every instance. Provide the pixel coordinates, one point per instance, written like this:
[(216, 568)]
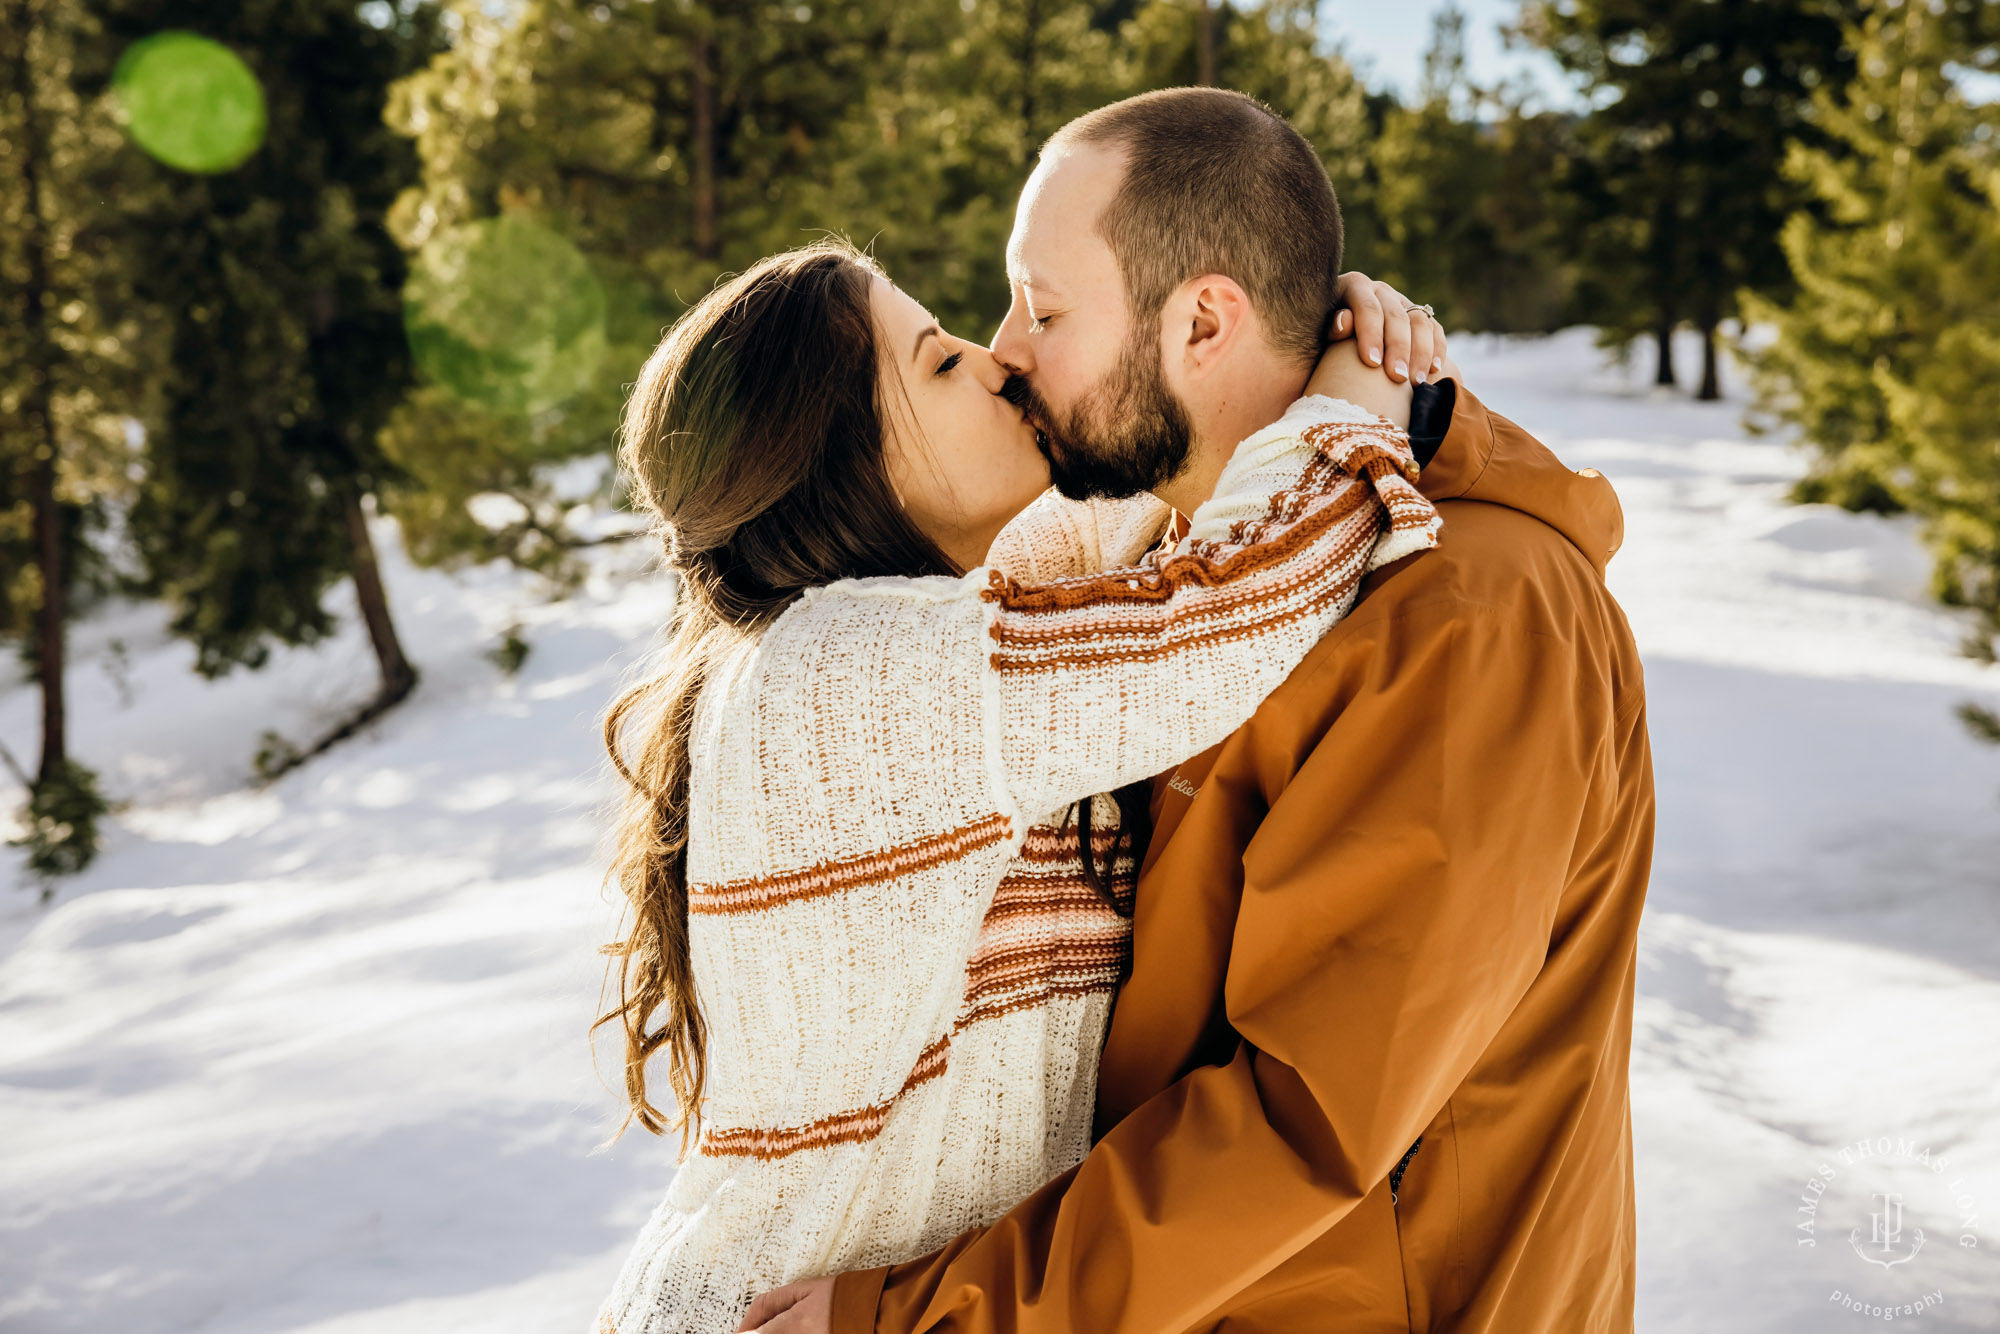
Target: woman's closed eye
[(949, 364)]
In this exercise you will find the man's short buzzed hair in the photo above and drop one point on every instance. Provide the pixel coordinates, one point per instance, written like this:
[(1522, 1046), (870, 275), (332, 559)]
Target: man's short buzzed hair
[(1216, 182)]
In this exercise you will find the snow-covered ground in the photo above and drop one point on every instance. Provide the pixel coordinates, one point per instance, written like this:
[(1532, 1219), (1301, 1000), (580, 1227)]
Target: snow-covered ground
[(312, 1057)]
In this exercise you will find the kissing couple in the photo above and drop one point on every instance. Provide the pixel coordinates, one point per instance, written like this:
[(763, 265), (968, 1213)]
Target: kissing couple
[(1199, 895)]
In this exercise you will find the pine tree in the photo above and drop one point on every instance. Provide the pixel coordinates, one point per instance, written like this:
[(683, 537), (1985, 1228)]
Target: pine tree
[(66, 359), (927, 168), (658, 145), (1275, 53), (1678, 181), (277, 286), (1887, 358), (1468, 221)]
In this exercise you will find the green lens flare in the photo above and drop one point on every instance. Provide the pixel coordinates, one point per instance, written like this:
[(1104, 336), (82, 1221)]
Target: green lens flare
[(506, 313), (190, 102)]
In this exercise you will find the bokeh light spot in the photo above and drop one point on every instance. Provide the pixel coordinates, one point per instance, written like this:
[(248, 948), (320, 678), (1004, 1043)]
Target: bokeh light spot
[(505, 312), (190, 102)]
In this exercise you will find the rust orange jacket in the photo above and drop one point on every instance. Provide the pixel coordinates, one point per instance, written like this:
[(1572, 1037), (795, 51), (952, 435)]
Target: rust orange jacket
[(1400, 906)]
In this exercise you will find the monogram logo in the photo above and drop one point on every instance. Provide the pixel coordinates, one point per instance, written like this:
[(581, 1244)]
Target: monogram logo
[(1884, 1231), (1907, 1185)]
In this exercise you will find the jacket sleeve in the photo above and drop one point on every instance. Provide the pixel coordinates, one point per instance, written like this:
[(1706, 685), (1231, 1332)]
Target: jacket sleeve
[(1397, 903)]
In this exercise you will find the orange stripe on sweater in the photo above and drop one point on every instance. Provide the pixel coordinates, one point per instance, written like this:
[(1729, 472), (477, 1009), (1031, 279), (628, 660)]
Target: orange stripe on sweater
[(1021, 633), (1089, 653), (834, 877), (1211, 564), (856, 1127)]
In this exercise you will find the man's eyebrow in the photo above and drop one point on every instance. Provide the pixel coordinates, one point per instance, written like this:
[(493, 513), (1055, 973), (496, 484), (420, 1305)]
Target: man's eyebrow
[(929, 332)]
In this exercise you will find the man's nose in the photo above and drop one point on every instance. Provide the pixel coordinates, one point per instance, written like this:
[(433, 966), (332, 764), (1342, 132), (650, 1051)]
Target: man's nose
[(1012, 347)]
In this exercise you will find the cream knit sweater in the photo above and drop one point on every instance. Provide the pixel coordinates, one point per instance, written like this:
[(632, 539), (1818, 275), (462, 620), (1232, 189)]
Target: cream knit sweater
[(904, 975)]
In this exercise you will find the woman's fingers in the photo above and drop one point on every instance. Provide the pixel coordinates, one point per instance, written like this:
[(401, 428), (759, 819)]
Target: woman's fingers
[(1395, 333), (1423, 345), (1366, 308), (804, 1307), (1389, 330), (766, 1308)]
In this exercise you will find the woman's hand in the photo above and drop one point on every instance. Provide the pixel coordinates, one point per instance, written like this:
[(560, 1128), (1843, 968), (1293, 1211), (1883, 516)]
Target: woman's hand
[(1342, 374), (1393, 332), (805, 1307)]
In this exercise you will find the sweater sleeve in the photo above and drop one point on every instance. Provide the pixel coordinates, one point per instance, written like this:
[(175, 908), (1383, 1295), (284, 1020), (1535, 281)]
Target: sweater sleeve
[(1106, 677), (1059, 689), (1058, 538)]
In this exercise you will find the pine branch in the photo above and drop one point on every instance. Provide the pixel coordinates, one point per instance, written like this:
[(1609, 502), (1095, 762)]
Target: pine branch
[(1981, 721)]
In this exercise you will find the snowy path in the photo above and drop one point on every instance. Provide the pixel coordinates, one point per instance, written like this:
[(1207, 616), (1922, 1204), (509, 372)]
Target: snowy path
[(311, 1058)]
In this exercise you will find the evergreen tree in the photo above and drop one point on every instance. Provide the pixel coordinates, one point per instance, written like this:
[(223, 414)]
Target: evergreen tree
[(928, 167), (1678, 181), (1275, 53), (1887, 357), (277, 285), (66, 361), (669, 143), (1468, 220), (663, 144)]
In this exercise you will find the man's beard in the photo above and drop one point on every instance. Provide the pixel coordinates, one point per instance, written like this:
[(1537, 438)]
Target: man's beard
[(1126, 435)]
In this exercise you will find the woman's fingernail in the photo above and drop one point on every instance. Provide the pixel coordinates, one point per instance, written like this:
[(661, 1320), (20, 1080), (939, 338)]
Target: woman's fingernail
[(1420, 377), (1374, 357), (1403, 369)]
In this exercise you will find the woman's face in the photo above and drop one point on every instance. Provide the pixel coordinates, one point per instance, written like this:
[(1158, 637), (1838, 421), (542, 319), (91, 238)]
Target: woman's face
[(960, 456)]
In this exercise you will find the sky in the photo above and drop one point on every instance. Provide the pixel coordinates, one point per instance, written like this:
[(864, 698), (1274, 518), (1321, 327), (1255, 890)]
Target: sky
[(1386, 41)]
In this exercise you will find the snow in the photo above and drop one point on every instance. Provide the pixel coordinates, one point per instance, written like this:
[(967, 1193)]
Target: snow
[(313, 1057)]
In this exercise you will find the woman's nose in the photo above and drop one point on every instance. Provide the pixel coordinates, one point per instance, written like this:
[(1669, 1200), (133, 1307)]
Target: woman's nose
[(985, 367)]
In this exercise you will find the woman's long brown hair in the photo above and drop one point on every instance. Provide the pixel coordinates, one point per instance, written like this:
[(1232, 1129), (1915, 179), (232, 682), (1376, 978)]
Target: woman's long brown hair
[(754, 440)]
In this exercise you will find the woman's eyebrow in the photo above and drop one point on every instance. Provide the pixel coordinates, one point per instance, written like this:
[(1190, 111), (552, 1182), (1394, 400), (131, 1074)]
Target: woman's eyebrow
[(930, 332)]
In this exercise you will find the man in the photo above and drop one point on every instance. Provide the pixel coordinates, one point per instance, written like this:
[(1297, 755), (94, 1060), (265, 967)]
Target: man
[(1369, 1070)]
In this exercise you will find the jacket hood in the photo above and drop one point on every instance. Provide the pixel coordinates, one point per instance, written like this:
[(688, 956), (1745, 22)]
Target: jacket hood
[(1488, 458)]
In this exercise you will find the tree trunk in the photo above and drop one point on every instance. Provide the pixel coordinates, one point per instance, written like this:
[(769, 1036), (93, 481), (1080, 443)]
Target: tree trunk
[(1665, 257), (398, 677), (702, 90), (38, 405), (51, 616), (1711, 386), (1204, 46)]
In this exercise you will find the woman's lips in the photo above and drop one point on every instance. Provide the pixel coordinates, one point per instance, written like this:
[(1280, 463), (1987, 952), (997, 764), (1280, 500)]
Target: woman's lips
[(1041, 436)]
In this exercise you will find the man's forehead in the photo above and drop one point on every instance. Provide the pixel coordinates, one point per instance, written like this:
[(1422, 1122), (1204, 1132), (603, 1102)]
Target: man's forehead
[(1055, 226)]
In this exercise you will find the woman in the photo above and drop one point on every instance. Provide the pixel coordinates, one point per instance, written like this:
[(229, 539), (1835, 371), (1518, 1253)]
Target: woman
[(881, 954)]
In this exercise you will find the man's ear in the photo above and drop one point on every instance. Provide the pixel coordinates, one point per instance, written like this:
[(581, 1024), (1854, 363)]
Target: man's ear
[(1217, 313)]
